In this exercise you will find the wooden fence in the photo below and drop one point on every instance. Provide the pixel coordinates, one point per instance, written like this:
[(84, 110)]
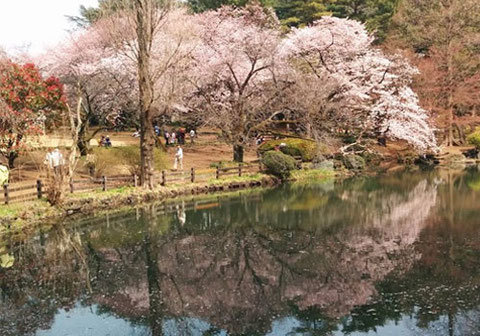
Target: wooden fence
[(27, 192)]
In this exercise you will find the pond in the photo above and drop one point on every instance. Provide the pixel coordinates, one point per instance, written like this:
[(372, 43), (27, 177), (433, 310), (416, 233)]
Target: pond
[(389, 255)]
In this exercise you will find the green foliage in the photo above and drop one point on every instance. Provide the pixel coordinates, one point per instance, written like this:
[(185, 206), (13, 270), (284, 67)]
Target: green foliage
[(295, 147), (199, 6), (298, 13), (376, 14), (313, 175), (474, 138), (279, 164), (438, 24), (354, 162)]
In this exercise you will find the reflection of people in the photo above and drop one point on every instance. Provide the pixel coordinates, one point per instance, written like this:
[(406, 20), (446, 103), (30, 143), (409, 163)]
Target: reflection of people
[(181, 214), (178, 158), (4, 174)]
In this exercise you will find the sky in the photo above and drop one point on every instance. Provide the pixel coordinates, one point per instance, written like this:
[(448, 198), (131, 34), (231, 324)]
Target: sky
[(36, 24)]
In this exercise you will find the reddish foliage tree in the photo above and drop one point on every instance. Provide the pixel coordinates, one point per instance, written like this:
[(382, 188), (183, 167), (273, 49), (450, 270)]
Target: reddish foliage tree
[(28, 103)]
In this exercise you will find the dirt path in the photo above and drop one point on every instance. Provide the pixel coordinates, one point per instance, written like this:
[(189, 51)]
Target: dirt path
[(206, 150)]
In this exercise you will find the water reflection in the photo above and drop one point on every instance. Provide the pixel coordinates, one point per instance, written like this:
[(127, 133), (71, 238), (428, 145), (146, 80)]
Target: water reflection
[(390, 255)]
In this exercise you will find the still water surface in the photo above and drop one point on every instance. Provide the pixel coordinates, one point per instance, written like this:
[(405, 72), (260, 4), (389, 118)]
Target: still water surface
[(392, 255)]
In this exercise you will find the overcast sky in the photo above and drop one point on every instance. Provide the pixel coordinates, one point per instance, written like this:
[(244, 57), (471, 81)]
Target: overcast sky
[(36, 23)]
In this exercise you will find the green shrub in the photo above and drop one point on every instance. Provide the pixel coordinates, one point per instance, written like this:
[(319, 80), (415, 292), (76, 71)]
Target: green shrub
[(474, 138), (107, 161), (279, 164), (306, 149), (354, 162)]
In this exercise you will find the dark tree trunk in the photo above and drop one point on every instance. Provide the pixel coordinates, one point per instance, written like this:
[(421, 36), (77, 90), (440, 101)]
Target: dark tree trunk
[(155, 295), (145, 23), (82, 145), (12, 156), (238, 153)]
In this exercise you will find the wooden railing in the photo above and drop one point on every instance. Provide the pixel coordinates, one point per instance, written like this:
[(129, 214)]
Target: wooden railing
[(28, 192)]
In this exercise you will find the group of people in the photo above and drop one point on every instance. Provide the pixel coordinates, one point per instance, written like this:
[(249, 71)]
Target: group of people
[(172, 138), (105, 141), (178, 137)]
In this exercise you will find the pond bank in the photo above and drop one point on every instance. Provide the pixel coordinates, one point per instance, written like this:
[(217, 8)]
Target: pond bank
[(28, 216), (22, 218)]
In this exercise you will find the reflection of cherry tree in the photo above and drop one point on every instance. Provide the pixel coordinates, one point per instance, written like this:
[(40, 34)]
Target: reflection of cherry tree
[(237, 278), (244, 263), (31, 294)]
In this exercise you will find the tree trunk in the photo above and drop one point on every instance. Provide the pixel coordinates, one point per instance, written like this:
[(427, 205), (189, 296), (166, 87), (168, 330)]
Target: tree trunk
[(145, 22), (12, 156), (155, 295), (147, 144), (450, 127), (82, 144), (238, 153)]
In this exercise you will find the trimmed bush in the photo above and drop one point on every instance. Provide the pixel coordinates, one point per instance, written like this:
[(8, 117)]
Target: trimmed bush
[(474, 138), (307, 150), (279, 164)]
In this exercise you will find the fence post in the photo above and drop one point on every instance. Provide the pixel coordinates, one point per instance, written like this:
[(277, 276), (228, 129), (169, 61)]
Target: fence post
[(164, 179), (71, 186), (192, 175), (239, 170), (104, 183), (39, 189), (135, 180), (217, 173), (5, 192)]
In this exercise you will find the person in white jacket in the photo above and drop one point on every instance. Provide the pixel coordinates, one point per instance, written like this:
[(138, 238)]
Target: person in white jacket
[(178, 158), (55, 160)]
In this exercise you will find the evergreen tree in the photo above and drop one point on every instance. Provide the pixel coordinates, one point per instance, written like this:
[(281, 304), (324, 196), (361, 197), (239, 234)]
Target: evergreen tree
[(376, 14), (199, 6), (298, 13)]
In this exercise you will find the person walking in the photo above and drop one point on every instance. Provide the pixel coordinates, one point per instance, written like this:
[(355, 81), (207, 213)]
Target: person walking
[(192, 136), (178, 159), (173, 138), (167, 138)]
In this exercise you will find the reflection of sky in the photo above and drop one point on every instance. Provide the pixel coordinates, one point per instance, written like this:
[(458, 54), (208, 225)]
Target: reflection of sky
[(88, 321)]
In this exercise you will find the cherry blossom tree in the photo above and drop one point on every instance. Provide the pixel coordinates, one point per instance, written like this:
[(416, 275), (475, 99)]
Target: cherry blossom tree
[(156, 36), (239, 74), (27, 103), (100, 76), (371, 90)]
